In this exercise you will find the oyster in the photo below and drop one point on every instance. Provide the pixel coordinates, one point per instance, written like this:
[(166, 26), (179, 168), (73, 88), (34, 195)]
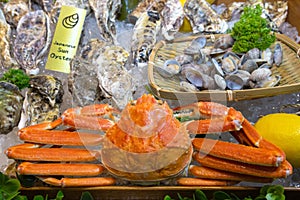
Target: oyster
[(144, 36), (144, 6), (32, 40), (14, 10), (105, 12), (172, 19), (42, 100), (5, 57), (113, 79), (203, 18), (11, 101)]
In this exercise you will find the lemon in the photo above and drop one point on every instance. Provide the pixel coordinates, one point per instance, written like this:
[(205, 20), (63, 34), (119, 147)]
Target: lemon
[(283, 130)]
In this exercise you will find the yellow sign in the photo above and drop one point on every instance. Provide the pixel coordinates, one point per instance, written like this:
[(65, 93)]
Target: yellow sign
[(66, 38)]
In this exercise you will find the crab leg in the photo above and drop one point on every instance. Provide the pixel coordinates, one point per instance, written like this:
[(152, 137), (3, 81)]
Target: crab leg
[(87, 117), (220, 119), (248, 129), (237, 152), (64, 169), (52, 154), (204, 182), (79, 182), (59, 137), (210, 173), (282, 171)]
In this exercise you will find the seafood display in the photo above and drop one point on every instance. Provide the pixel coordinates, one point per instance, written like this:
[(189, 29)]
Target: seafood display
[(145, 142), (104, 127), (11, 101)]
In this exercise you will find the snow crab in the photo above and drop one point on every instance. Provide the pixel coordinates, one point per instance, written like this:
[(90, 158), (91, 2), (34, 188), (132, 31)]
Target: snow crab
[(145, 142)]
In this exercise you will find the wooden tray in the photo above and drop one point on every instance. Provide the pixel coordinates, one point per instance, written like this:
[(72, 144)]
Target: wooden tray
[(169, 88), (155, 192)]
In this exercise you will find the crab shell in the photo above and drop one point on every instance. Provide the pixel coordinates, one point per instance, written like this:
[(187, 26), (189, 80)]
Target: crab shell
[(147, 143)]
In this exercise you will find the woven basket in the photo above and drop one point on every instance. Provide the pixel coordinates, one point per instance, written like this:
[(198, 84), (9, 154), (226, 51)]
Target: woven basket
[(169, 88)]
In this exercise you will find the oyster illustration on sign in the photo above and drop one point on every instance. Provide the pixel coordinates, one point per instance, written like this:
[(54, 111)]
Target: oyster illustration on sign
[(70, 21)]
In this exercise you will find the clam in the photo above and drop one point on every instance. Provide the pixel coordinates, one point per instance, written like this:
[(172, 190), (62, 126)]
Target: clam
[(224, 42), (234, 82), (184, 59), (267, 55), (249, 65), (278, 54), (262, 77), (199, 79), (220, 81), (194, 77), (188, 87), (169, 68), (229, 65), (217, 66), (253, 53), (199, 42)]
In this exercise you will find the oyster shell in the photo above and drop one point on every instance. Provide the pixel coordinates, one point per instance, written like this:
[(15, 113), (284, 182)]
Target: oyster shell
[(203, 18), (144, 36), (108, 61), (143, 6), (11, 101), (32, 40), (42, 100), (5, 31), (106, 12), (172, 18), (14, 10)]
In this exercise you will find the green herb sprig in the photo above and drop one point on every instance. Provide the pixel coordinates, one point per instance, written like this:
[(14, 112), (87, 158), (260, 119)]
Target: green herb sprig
[(267, 192), (17, 77), (10, 190), (251, 31)]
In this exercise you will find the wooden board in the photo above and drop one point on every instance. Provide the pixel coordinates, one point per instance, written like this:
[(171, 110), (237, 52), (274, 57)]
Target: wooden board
[(156, 192)]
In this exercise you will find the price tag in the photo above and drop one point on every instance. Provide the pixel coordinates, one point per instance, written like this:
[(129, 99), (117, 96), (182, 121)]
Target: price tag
[(66, 38)]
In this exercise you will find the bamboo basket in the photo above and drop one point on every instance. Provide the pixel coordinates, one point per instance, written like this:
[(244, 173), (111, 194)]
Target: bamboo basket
[(169, 88)]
